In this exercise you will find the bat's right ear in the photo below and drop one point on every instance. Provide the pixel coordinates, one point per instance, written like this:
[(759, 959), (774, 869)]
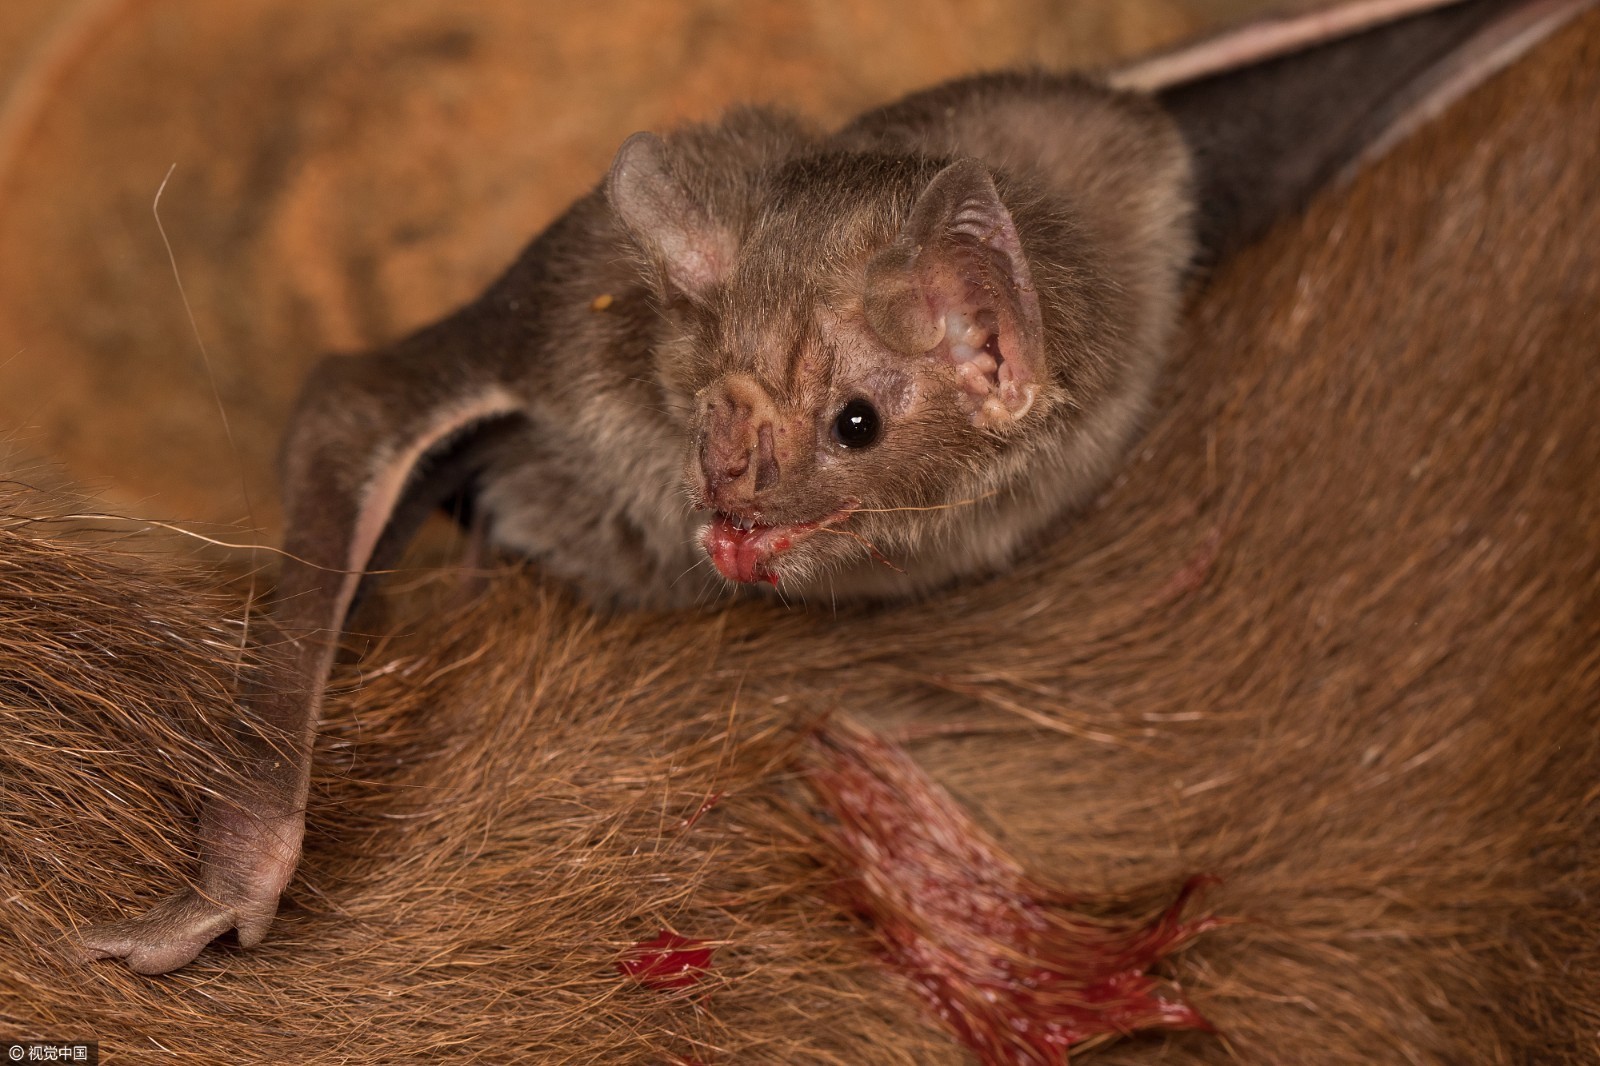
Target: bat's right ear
[(693, 250)]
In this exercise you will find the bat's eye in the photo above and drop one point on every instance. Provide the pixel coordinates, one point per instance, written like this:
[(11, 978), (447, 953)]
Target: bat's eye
[(858, 425)]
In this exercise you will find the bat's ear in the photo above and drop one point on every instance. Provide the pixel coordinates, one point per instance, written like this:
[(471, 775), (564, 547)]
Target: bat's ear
[(1280, 106), (692, 249), (955, 285)]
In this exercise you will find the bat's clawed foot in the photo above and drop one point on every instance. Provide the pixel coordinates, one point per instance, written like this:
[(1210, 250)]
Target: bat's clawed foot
[(173, 932), (249, 860)]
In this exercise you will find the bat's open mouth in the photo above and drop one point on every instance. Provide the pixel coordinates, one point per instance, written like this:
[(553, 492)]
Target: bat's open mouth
[(743, 549)]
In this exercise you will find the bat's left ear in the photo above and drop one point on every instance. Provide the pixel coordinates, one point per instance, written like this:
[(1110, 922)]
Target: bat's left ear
[(694, 251), (955, 285)]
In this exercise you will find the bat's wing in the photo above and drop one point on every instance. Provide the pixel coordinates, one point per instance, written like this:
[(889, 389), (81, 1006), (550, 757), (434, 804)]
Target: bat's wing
[(376, 443), (1281, 106)]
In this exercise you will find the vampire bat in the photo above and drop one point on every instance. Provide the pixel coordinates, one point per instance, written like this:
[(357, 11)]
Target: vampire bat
[(856, 365)]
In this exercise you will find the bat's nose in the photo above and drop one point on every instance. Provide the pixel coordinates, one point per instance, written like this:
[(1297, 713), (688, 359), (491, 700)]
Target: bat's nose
[(733, 467), (738, 453), (766, 459)]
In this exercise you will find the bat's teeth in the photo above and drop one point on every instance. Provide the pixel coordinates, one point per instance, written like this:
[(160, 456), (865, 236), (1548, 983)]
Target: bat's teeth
[(745, 523)]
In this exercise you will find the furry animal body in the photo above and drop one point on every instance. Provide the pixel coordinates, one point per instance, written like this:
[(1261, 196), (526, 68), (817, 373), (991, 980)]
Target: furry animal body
[(1427, 514)]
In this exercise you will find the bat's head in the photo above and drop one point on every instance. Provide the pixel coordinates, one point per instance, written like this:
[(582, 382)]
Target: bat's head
[(860, 358)]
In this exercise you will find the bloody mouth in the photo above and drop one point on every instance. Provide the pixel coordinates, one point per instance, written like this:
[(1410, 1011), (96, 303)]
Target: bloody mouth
[(745, 550)]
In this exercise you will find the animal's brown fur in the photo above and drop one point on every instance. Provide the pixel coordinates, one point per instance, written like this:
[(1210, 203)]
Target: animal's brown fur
[(1335, 636)]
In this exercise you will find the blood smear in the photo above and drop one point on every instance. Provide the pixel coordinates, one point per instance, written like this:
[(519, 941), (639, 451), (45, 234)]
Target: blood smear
[(668, 961), (1014, 968)]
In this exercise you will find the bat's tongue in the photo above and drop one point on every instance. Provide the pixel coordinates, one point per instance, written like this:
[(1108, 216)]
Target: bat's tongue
[(744, 554)]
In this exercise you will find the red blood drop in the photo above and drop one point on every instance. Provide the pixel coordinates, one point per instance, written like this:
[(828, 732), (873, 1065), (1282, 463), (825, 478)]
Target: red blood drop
[(668, 961)]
